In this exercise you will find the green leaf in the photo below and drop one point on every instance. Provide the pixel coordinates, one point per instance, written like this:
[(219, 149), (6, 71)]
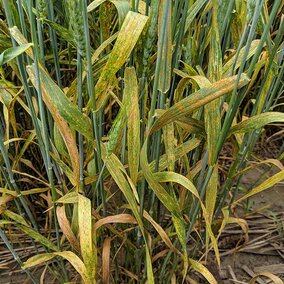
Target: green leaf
[(38, 237), (62, 32), (186, 183), (179, 152), (122, 7), (165, 33), (181, 234), (167, 200), (63, 112), (118, 173), (70, 112), (12, 52), (65, 169), (116, 132), (175, 177), (192, 12)]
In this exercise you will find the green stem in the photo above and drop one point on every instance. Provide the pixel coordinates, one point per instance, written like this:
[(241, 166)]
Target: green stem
[(91, 92)]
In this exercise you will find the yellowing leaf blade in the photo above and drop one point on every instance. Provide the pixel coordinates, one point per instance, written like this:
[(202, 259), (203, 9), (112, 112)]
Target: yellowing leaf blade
[(257, 121), (263, 186), (77, 263), (133, 122), (38, 237), (66, 228), (198, 99), (127, 37), (197, 266), (38, 259), (86, 239)]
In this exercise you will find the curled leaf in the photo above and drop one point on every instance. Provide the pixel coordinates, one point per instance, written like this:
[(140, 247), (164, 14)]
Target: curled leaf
[(12, 52)]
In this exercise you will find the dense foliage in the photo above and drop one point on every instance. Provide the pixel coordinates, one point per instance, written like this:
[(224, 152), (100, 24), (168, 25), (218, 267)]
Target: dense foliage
[(114, 116)]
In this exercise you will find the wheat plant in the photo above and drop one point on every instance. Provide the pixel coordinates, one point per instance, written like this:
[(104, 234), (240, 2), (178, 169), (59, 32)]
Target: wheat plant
[(114, 116)]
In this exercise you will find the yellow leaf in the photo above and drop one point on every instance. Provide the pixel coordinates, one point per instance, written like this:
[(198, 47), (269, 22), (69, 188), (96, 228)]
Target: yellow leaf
[(211, 193), (86, 239), (38, 259), (119, 218), (198, 99), (269, 275), (77, 263), (263, 186), (48, 88), (127, 37), (133, 122), (66, 228), (197, 266)]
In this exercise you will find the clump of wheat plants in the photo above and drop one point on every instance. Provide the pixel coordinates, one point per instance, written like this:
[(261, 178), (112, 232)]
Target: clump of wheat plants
[(113, 117)]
